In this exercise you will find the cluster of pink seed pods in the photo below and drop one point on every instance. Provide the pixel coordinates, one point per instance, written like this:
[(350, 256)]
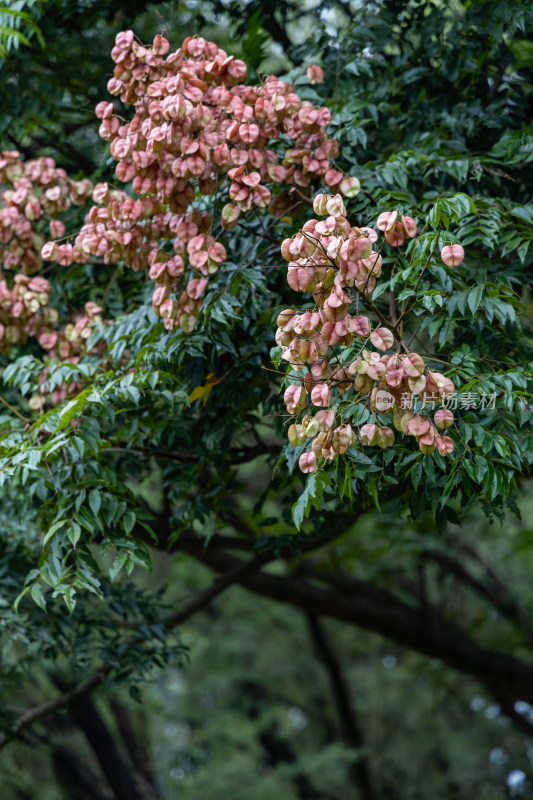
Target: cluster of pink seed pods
[(67, 344), (36, 193), (196, 130), (339, 265)]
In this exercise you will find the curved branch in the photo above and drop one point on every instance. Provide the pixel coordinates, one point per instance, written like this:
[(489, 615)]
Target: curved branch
[(378, 610), (350, 728)]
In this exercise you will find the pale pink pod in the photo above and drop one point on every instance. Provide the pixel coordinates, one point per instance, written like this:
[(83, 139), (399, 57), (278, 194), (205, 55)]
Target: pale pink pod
[(443, 418), (444, 445), (335, 206), (284, 317), (104, 110), (333, 177), (387, 220), (294, 398), (418, 425), (382, 338), (350, 187), (409, 226), (50, 251), (452, 255), (359, 326), (307, 462), (315, 74), (320, 205), (413, 365), (325, 419), (367, 434), (395, 237), (321, 395), (161, 45)]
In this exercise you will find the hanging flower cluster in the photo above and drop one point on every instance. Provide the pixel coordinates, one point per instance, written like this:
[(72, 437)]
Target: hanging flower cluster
[(36, 193), (196, 130), (339, 265)]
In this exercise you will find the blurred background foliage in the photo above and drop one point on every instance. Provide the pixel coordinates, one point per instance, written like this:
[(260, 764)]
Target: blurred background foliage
[(256, 699)]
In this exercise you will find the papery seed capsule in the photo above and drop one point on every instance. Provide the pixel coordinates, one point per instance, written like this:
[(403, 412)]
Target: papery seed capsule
[(350, 187), (335, 206), (315, 74), (443, 418), (387, 220), (307, 462), (409, 226), (321, 395), (295, 435), (310, 427), (367, 434), (452, 255), (294, 398), (384, 437)]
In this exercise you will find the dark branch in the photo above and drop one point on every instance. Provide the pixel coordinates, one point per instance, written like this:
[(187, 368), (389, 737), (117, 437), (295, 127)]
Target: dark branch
[(378, 610), (350, 728)]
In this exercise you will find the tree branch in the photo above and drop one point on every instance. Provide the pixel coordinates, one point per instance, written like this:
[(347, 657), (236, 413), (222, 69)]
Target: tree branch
[(378, 610), (350, 729)]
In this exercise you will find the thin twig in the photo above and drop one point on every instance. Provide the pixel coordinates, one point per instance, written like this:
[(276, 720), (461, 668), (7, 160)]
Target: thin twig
[(14, 410)]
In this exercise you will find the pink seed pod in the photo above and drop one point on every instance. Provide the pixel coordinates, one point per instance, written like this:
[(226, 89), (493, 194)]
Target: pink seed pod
[(443, 418), (368, 434), (387, 221), (57, 228), (321, 395), (325, 419), (409, 226), (320, 205), (333, 177), (64, 255), (395, 237), (301, 279), (444, 445), (413, 365), (48, 340), (315, 74), (359, 326), (50, 251), (161, 45), (104, 110), (335, 206), (370, 233), (418, 425), (284, 317), (452, 255), (307, 462), (382, 338), (350, 187), (294, 398)]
